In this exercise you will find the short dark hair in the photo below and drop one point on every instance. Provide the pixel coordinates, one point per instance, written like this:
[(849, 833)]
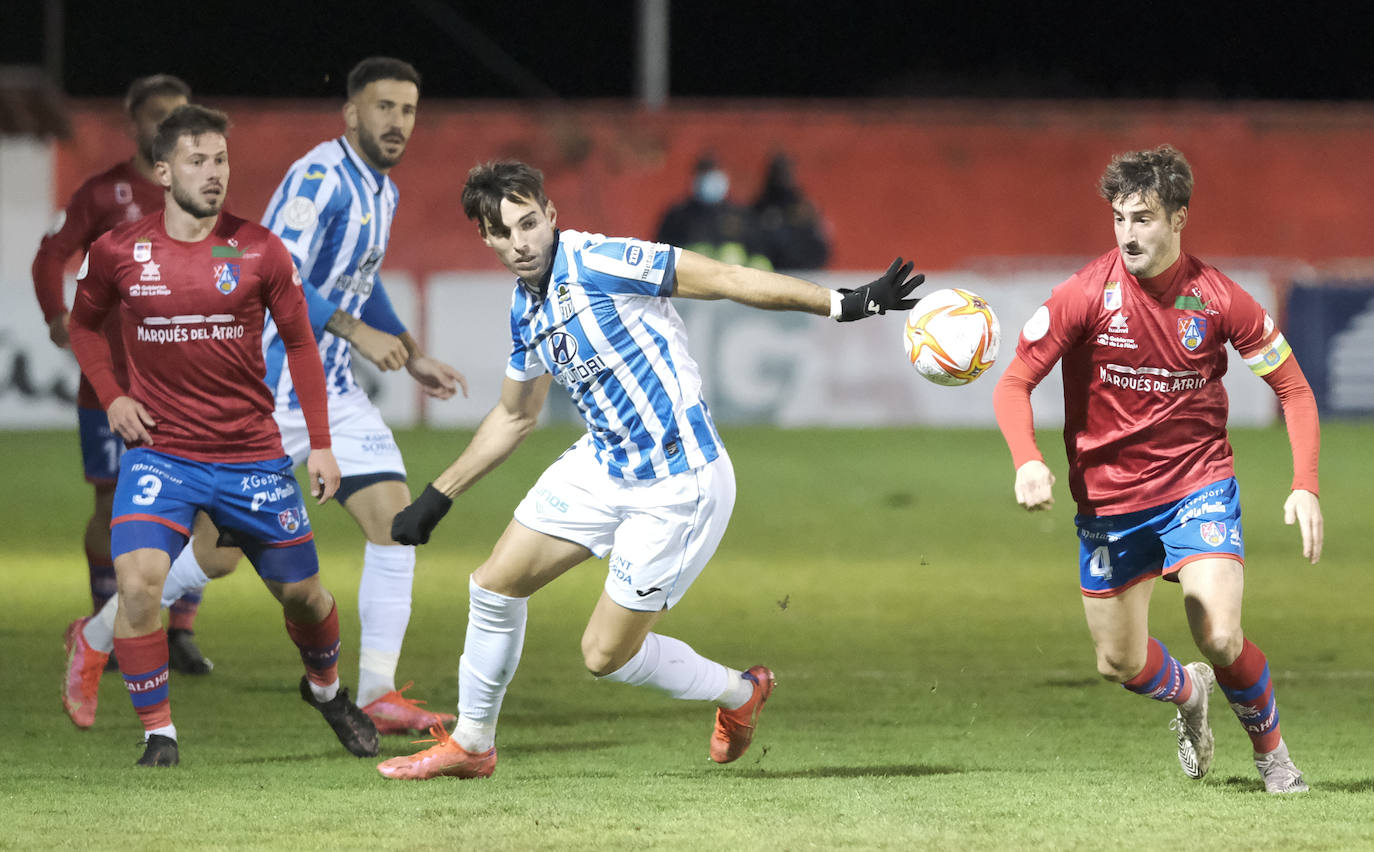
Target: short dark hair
[(376, 68), (153, 86), (489, 183), (1162, 171), (186, 120)]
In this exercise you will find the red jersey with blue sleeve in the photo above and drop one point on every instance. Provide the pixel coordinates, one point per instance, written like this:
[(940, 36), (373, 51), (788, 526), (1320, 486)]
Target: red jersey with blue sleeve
[(1145, 411), (115, 196), (192, 316)]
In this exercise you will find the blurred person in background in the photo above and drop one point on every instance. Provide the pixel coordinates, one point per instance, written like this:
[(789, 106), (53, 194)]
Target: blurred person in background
[(790, 228), (709, 223)]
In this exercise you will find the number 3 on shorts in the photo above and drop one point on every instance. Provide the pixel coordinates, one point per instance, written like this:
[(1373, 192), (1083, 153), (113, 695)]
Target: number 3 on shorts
[(151, 486)]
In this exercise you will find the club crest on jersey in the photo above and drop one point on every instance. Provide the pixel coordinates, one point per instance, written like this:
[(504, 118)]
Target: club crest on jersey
[(1111, 296), (1212, 532), (565, 305), (226, 277), (290, 519), (1191, 331), (143, 251)]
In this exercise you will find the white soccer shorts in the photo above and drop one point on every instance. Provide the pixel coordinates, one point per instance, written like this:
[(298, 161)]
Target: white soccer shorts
[(659, 533), (362, 443)]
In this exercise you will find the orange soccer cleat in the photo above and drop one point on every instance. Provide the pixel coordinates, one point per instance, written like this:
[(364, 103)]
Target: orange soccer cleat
[(444, 758), (735, 728), (81, 683), (393, 713)]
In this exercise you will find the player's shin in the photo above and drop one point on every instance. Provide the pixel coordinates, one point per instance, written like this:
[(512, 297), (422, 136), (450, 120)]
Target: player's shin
[(143, 661), (1248, 688), (384, 596), (1163, 678), (319, 648), (672, 667), (491, 653)]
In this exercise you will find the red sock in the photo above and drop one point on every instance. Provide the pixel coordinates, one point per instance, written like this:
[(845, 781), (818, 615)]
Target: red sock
[(319, 644), (143, 662), (1246, 684), (1163, 678), (182, 613), (102, 578)]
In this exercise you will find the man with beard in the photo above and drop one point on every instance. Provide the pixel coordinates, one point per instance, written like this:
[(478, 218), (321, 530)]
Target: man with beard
[(125, 192), (193, 286), (333, 210)]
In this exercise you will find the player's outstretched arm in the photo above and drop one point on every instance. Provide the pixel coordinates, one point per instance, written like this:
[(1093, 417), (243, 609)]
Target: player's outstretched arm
[(1011, 405), (701, 277), (1304, 509), (501, 431)]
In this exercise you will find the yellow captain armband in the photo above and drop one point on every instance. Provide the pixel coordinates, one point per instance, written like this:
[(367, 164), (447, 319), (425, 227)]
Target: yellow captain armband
[(1269, 357)]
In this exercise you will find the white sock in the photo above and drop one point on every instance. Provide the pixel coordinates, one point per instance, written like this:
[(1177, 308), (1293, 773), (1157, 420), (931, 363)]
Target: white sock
[(99, 630), (474, 736), (168, 730), (491, 652), (383, 611), (324, 694), (671, 666), (184, 576)]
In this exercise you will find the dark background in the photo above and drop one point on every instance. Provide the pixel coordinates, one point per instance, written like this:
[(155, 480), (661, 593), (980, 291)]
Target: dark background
[(720, 48)]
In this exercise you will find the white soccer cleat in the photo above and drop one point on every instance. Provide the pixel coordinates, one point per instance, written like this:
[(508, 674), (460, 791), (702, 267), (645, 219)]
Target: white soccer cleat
[(1195, 741), (1279, 773)]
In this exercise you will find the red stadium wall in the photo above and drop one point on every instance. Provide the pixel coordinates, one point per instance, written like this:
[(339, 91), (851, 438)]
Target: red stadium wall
[(950, 183)]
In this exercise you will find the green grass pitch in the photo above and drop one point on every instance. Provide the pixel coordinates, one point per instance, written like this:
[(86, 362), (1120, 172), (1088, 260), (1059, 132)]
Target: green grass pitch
[(936, 684)]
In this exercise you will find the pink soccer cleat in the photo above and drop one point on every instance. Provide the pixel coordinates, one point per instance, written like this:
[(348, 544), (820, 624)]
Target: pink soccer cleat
[(81, 683), (393, 713), (735, 728), (444, 758)]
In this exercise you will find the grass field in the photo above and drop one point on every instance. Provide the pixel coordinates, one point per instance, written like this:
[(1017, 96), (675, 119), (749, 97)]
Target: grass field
[(936, 683)]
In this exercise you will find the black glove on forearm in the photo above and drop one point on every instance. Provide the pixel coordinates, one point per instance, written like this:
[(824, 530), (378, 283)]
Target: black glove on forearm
[(888, 293), (414, 523)]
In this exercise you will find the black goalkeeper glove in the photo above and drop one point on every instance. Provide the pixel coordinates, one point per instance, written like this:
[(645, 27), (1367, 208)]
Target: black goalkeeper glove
[(414, 523), (888, 293)]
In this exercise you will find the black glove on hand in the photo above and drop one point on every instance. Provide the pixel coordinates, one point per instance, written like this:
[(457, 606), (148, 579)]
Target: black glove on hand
[(414, 523), (888, 293)]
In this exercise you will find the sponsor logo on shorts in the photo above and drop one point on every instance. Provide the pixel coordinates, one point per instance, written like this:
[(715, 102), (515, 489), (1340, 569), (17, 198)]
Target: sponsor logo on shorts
[(621, 569), (262, 498), (554, 502), (258, 480), (650, 591), (1212, 532)]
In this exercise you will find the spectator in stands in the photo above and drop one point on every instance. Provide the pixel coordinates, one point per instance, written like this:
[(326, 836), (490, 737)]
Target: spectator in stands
[(709, 223), (790, 228)]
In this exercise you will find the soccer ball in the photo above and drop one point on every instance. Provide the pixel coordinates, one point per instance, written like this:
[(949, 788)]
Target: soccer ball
[(951, 336)]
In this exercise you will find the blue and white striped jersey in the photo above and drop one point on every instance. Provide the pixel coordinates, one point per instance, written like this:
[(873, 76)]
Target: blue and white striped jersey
[(333, 212), (607, 332)]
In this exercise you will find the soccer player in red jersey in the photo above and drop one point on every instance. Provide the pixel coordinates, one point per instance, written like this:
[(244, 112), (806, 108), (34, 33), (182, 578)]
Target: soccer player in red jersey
[(125, 192), (193, 286), (1142, 333)]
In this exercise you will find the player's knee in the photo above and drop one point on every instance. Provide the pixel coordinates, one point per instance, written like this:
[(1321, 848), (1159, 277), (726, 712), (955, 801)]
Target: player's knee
[(599, 659), (1117, 667), (218, 562), (1221, 646)]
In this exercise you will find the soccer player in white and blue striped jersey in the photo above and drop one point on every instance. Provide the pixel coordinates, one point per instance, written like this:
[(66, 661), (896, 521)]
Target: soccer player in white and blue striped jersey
[(333, 211), (650, 483)]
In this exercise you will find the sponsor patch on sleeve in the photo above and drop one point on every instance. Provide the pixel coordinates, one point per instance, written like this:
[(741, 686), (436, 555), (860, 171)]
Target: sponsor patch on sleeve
[(299, 213)]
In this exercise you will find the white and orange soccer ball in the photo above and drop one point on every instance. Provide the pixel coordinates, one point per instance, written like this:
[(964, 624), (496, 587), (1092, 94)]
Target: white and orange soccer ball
[(952, 336)]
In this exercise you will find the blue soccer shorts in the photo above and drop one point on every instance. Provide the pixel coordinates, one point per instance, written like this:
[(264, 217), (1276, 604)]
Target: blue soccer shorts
[(1118, 551), (258, 504), (101, 448)]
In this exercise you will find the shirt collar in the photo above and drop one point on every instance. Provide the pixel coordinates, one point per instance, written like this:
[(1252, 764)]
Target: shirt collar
[(373, 178)]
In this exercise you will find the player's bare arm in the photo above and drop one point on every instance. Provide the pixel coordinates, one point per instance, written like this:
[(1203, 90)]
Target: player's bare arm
[(501, 431), (385, 350), (436, 378), (701, 277)]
